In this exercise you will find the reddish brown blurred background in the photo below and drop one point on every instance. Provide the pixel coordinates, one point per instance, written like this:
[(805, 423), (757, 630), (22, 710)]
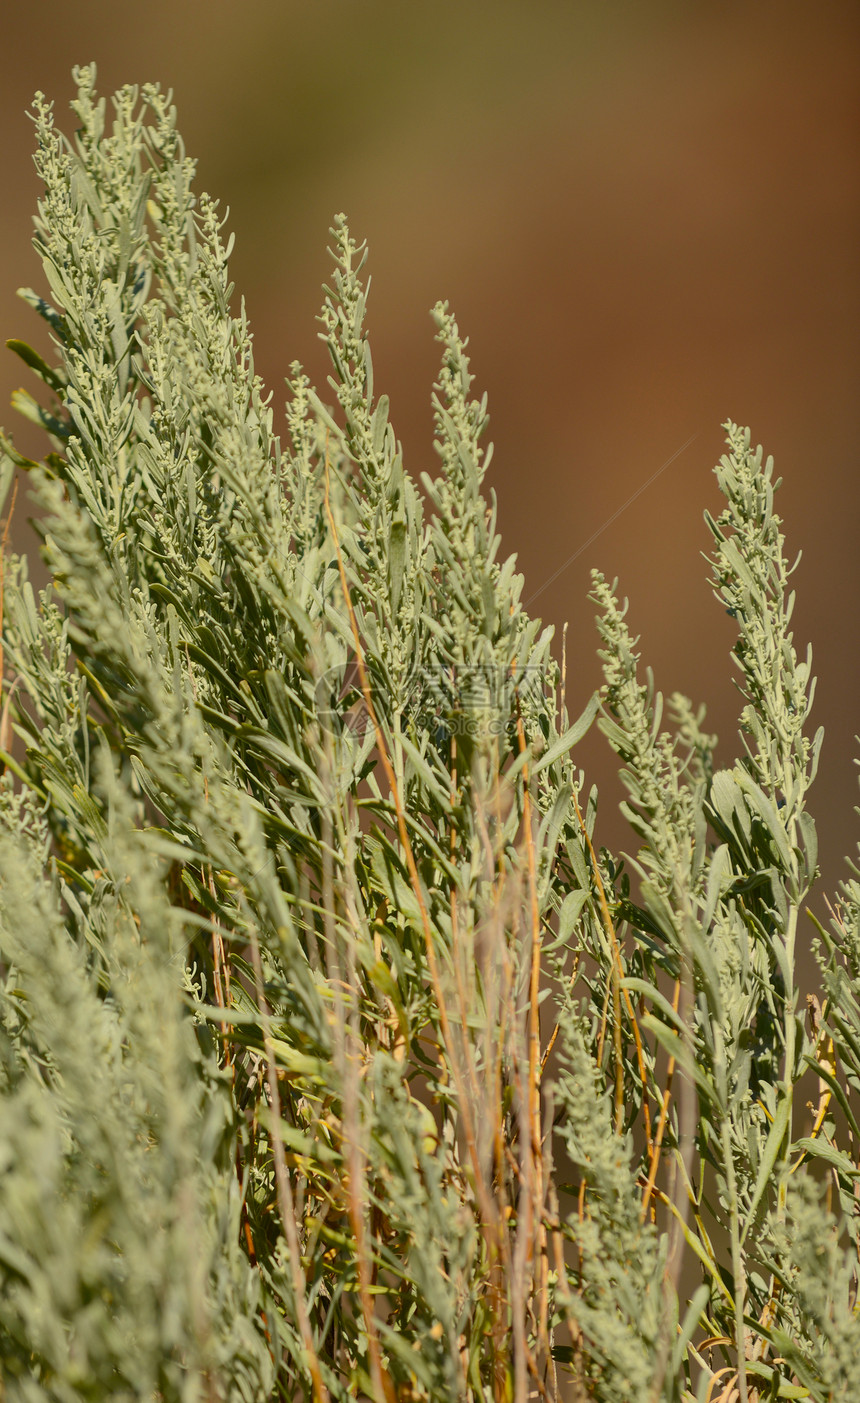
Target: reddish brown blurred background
[(646, 218)]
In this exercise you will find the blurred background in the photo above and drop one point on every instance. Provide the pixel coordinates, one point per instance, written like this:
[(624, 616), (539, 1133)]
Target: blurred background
[(646, 218)]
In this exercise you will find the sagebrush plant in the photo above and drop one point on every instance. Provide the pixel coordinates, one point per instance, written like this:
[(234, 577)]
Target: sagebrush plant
[(338, 1060)]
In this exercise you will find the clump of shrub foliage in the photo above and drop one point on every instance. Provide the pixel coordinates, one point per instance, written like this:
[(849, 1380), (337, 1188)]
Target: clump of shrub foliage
[(337, 1057)]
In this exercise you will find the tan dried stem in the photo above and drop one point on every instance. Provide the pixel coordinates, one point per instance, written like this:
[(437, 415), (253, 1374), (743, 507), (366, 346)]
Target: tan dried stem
[(350, 1075), (488, 1209), (661, 1125), (617, 976), (4, 722), (286, 1202)]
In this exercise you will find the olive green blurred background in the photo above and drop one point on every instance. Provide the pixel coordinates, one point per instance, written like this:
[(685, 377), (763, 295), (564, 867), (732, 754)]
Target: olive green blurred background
[(645, 216)]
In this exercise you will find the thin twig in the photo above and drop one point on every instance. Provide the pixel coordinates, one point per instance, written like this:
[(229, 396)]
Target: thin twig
[(3, 544), (618, 974), (661, 1126), (486, 1202), (286, 1202)]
